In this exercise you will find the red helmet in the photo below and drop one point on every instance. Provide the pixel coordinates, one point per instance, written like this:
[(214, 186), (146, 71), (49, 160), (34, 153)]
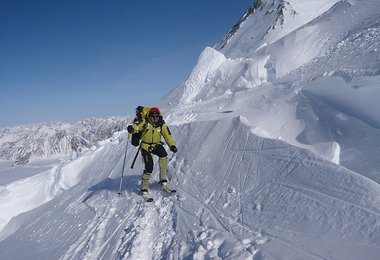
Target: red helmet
[(154, 111)]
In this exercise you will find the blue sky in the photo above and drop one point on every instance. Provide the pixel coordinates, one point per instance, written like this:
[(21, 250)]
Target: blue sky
[(68, 60)]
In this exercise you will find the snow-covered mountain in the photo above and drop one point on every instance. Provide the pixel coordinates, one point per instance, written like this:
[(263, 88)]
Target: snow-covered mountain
[(22, 143), (278, 77), (278, 142)]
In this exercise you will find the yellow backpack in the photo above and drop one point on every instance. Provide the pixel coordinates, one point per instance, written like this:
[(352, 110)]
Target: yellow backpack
[(145, 112)]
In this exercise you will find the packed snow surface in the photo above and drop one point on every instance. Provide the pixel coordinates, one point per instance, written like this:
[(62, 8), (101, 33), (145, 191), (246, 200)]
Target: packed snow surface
[(277, 129)]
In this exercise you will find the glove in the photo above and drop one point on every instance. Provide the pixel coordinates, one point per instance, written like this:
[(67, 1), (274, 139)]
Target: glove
[(130, 129), (137, 120), (173, 148)]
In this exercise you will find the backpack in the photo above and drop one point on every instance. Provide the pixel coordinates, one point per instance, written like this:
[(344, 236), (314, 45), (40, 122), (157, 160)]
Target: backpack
[(145, 112)]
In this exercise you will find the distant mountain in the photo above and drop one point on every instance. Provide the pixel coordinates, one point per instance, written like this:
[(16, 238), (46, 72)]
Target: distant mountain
[(22, 143)]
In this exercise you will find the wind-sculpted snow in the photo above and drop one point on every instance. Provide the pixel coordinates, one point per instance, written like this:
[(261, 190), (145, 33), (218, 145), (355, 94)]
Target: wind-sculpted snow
[(254, 53), (267, 190), (309, 88), (315, 42), (247, 197), (46, 140)]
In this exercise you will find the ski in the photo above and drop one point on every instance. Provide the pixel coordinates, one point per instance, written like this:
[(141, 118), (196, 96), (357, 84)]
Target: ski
[(148, 199), (146, 196), (169, 190)]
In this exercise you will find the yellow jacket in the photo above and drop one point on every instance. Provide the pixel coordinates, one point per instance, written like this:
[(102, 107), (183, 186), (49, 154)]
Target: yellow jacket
[(152, 134)]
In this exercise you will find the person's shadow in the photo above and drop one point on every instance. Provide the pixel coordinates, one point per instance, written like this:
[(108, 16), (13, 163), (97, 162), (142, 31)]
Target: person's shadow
[(130, 183)]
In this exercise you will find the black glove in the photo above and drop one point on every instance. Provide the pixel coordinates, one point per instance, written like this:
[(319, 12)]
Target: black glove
[(173, 148), (130, 129)]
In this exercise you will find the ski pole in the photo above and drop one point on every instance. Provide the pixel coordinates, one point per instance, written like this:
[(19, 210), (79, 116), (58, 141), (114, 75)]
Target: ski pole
[(122, 171), (134, 160)]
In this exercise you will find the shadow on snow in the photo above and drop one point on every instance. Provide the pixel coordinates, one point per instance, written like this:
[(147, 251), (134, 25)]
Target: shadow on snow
[(130, 184)]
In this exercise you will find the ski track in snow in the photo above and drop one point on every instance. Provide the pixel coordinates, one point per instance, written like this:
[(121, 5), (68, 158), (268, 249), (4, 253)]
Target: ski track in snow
[(144, 231), (127, 228)]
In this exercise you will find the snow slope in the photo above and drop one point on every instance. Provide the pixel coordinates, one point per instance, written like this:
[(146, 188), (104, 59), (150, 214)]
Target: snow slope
[(268, 198), (278, 146)]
